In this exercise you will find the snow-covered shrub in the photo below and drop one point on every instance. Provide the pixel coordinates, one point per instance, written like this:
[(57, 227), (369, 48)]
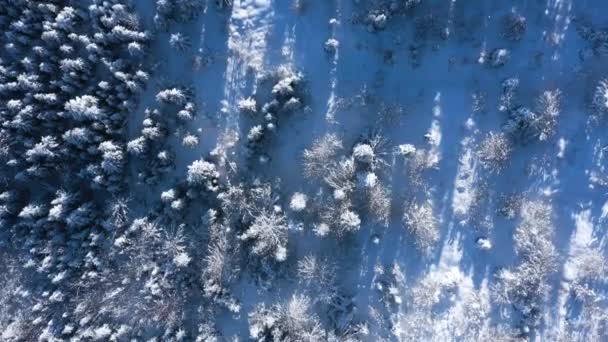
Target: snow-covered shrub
[(406, 150), (44, 152), (61, 205), (521, 123), (118, 214), (281, 93), (206, 332), (112, 157), (287, 92), (498, 57), (340, 176), (514, 27), (82, 216), (590, 268), (298, 202), (289, 81), (269, 234), (108, 174), (220, 268), (80, 137), (172, 96), (190, 140), (597, 38), (187, 112), (376, 21), (179, 42), (494, 151), (379, 203), (337, 213), (331, 45), (291, 321), (152, 147), (370, 152), (32, 212), (363, 153), (169, 11), (83, 107), (600, 97), (224, 3), (548, 105), (255, 134), (318, 158), (540, 124), (479, 102), (320, 275), (388, 284), (235, 203), (248, 105), (158, 164), (483, 243), (137, 146), (510, 205), (349, 221), (367, 180), (419, 219), (204, 174), (507, 98)]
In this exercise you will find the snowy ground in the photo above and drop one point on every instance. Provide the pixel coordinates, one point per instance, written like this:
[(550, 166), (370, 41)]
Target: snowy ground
[(431, 107)]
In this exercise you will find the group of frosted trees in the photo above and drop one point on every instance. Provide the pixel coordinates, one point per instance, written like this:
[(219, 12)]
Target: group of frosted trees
[(78, 264), (75, 120), (175, 108), (281, 94), (70, 76)]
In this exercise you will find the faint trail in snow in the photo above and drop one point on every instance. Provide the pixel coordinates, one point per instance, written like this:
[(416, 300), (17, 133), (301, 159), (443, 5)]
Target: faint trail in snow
[(559, 12), (249, 25), (289, 42), (464, 193), (330, 115), (450, 18), (433, 136)]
